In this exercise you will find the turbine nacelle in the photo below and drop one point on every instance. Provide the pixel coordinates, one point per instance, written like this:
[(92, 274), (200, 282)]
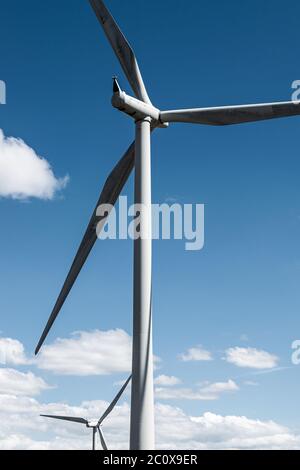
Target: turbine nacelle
[(92, 424), (135, 108)]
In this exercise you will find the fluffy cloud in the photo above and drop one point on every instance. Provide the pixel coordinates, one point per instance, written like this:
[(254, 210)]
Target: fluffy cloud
[(195, 354), (212, 431), (167, 381), (205, 392), (22, 428), (20, 442), (12, 352), (85, 353), (23, 174), (220, 387), (251, 358), (88, 353), (18, 383)]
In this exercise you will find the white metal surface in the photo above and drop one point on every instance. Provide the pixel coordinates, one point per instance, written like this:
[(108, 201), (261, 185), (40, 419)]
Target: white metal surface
[(142, 401), (226, 115), (133, 107), (122, 49)]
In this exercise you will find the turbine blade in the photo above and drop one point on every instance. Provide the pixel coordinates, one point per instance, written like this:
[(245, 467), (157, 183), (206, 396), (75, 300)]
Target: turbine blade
[(227, 115), (122, 49), (111, 191), (94, 439), (67, 418), (114, 402), (102, 440)]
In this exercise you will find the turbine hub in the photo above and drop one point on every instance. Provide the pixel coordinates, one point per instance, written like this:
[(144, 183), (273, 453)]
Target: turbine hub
[(135, 108), (92, 424)]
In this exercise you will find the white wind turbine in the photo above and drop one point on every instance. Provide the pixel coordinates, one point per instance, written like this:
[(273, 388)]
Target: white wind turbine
[(94, 425), (147, 118)]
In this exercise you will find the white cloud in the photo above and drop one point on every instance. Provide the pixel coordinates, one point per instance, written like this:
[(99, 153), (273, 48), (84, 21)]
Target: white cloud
[(176, 430), (181, 394), (220, 387), (85, 353), (12, 352), (21, 442), (88, 353), (208, 391), (251, 358), (13, 382), (167, 381), (22, 428), (23, 174), (196, 354)]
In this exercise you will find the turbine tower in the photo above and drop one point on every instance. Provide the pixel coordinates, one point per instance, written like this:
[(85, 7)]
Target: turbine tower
[(147, 118), (94, 425)]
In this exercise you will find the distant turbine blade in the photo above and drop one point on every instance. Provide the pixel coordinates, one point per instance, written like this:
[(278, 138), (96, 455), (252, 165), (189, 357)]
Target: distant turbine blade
[(102, 440), (111, 191), (114, 402), (67, 418), (122, 49), (227, 115)]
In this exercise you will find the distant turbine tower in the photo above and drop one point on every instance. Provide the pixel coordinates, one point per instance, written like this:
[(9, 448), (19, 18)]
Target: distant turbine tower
[(94, 425), (147, 118)]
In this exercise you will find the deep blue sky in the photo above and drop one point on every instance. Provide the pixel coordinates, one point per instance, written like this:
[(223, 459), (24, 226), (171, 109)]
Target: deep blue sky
[(58, 67)]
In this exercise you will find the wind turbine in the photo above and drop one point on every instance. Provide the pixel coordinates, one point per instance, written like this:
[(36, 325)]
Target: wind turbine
[(94, 425), (147, 118)]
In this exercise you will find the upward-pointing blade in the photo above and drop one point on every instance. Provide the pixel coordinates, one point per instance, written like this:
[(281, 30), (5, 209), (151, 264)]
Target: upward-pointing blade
[(227, 115), (122, 50), (111, 191), (114, 402), (67, 418)]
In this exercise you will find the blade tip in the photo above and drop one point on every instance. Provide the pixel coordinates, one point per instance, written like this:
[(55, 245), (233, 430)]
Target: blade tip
[(38, 348)]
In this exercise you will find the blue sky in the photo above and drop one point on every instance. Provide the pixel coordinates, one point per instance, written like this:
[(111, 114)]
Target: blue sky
[(242, 289)]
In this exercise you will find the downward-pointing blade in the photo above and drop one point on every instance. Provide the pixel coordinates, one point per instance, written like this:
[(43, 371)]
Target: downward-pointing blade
[(111, 191), (122, 49), (102, 440)]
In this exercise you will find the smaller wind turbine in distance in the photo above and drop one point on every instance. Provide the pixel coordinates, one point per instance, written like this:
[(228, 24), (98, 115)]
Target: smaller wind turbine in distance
[(94, 425)]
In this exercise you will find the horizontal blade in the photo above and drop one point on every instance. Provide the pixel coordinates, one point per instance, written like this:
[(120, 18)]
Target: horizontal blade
[(114, 402), (102, 440), (67, 418), (122, 49), (111, 191), (227, 115)]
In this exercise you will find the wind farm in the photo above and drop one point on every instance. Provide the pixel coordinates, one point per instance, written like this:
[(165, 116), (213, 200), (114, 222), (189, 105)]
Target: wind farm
[(146, 118), (191, 331)]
